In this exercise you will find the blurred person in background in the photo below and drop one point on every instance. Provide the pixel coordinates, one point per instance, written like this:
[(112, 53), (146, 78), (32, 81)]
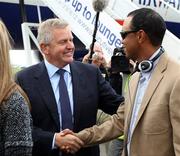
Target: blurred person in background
[(98, 59)]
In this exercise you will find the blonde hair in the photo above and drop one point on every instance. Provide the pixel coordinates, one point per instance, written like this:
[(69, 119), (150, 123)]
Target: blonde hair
[(5, 68), (7, 84), (45, 29)]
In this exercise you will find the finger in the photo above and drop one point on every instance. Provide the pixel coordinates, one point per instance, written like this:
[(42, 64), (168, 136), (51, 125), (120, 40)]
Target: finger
[(73, 150), (76, 144), (67, 149), (73, 147), (79, 141), (63, 147), (67, 131)]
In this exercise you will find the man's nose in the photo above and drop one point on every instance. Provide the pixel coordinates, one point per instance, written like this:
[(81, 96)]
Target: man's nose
[(70, 44)]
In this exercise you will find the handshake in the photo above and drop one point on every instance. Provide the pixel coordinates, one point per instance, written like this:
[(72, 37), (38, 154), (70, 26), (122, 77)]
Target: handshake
[(68, 142)]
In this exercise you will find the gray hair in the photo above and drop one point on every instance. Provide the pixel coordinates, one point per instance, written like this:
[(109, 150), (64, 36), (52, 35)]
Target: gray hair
[(46, 27)]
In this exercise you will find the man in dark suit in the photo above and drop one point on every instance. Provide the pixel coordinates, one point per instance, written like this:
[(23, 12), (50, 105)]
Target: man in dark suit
[(87, 91)]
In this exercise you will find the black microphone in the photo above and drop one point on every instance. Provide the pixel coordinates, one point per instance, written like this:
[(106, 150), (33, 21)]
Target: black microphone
[(98, 5)]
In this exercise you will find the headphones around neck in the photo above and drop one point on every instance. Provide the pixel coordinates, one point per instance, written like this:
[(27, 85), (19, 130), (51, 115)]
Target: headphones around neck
[(147, 65)]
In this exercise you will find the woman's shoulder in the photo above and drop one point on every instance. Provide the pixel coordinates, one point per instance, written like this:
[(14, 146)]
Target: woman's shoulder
[(15, 103)]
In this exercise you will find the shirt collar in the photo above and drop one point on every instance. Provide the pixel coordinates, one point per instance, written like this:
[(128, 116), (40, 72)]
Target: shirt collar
[(52, 69), (156, 52), (148, 74)]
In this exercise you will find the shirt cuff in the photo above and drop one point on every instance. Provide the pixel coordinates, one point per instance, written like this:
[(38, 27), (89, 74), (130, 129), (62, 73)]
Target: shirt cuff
[(53, 143)]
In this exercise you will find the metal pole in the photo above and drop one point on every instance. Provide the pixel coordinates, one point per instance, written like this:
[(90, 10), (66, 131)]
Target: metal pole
[(23, 11), (39, 13)]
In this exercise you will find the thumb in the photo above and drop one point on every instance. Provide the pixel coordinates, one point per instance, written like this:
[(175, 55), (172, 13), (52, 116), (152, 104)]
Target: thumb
[(67, 131)]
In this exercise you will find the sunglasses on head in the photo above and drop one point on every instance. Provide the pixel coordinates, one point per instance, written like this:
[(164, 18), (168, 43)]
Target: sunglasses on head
[(125, 33)]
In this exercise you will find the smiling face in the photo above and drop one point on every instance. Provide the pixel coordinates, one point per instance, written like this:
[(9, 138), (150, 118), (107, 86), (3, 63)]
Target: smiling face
[(59, 51)]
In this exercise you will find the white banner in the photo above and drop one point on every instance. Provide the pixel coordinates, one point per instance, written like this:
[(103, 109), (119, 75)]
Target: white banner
[(81, 16), (168, 9)]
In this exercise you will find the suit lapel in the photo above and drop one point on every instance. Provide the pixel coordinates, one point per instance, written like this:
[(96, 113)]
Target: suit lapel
[(75, 82), (132, 94), (46, 92), (155, 79), (130, 100)]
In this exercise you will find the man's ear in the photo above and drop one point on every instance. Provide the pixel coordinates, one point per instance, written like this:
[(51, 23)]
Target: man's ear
[(141, 36), (44, 48)]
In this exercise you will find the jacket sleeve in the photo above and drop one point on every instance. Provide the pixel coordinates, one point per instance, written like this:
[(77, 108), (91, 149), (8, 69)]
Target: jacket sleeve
[(109, 130), (174, 106), (109, 100)]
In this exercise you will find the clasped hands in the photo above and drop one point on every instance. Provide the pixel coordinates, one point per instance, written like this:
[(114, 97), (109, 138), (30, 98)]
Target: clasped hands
[(68, 142)]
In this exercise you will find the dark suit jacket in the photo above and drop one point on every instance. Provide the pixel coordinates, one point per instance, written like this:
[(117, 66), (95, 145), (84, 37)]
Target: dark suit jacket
[(90, 92)]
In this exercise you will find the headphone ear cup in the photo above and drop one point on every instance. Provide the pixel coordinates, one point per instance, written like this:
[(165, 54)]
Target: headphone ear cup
[(145, 66)]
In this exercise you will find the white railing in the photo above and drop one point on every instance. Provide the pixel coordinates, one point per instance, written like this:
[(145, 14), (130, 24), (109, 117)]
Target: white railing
[(27, 35)]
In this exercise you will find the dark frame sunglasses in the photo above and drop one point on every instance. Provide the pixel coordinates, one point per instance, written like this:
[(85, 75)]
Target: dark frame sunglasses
[(125, 33)]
